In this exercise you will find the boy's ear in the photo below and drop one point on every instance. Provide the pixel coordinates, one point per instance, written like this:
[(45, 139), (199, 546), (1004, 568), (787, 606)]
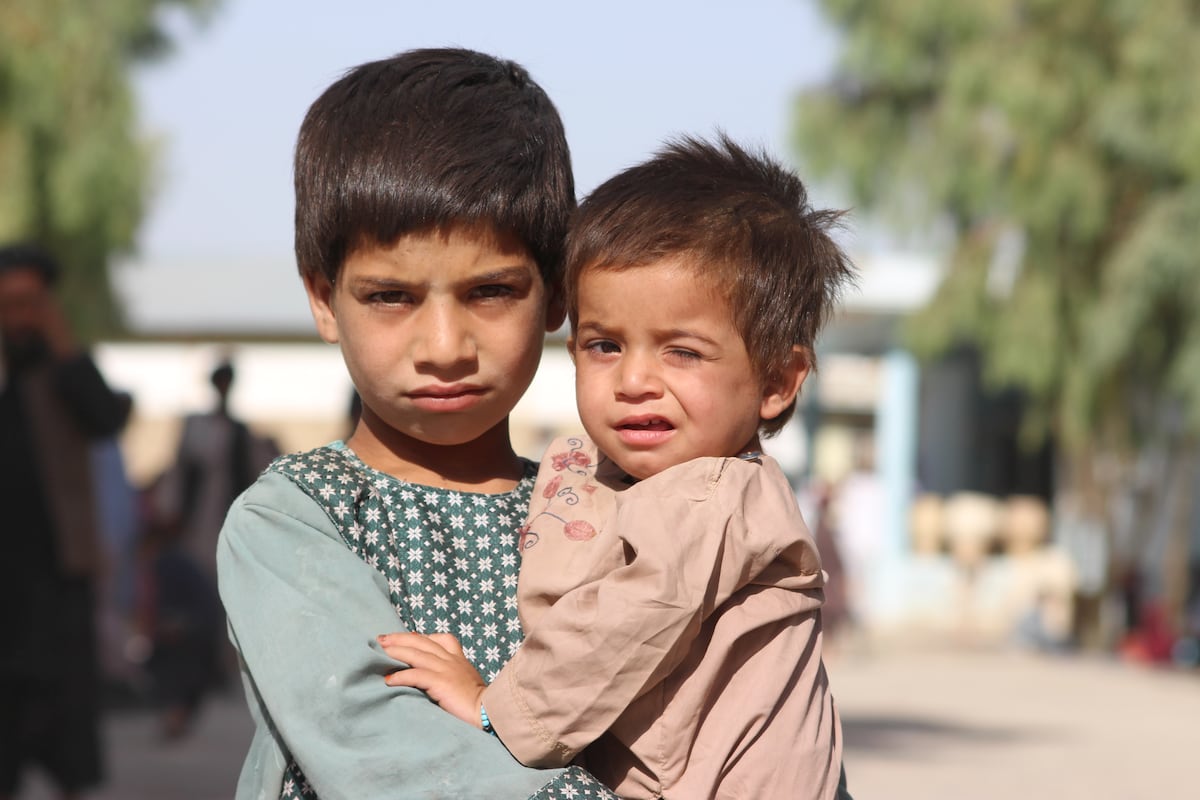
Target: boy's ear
[(320, 302), (556, 309), (782, 389)]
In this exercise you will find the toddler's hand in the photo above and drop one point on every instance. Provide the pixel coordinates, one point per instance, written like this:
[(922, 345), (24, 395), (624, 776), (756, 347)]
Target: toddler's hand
[(438, 667)]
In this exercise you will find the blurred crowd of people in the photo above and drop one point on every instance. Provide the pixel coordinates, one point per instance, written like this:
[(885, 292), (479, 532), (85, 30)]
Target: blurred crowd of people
[(108, 589)]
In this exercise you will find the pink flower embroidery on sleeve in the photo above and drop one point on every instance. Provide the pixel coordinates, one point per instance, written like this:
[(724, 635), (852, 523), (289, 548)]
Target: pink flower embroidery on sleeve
[(552, 487), (579, 458), (578, 530), (559, 461)]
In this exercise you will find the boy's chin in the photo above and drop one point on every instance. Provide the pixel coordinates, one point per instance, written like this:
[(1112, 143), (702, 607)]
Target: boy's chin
[(455, 435)]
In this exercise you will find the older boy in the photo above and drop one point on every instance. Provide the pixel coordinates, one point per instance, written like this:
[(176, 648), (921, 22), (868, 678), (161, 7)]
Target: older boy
[(432, 194)]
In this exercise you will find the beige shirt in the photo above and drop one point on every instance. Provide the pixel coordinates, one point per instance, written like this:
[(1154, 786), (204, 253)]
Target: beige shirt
[(675, 622)]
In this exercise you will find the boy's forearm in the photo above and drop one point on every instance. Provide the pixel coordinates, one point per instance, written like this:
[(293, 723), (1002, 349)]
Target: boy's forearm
[(305, 611)]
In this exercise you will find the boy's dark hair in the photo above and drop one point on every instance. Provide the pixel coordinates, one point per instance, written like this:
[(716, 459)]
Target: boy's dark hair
[(423, 140), (23, 255), (742, 221)]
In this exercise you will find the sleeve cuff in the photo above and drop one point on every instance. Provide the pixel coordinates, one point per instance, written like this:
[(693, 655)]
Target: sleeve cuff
[(518, 728)]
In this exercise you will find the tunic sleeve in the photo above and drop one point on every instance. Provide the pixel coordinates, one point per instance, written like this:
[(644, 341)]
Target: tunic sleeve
[(303, 613), (689, 547)]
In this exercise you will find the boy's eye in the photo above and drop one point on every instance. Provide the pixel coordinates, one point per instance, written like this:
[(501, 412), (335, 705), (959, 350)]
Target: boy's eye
[(391, 297), (493, 290), (684, 355)]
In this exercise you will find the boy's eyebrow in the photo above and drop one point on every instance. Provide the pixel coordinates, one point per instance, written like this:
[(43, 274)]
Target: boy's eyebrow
[(499, 275)]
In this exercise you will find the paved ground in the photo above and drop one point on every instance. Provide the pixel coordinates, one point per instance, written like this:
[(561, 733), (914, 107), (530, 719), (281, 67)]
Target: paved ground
[(143, 767), (929, 722), (984, 725)]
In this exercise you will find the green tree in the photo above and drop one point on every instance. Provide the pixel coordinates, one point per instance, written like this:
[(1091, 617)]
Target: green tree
[(1059, 144), (74, 174)]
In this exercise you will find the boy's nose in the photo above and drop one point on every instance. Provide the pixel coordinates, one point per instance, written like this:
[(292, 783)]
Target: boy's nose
[(445, 338)]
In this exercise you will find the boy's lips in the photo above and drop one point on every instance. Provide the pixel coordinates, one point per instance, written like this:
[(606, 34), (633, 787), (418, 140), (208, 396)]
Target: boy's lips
[(446, 397)]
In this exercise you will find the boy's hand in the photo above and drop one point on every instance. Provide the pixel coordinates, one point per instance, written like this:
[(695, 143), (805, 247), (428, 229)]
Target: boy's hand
[(438, 667)]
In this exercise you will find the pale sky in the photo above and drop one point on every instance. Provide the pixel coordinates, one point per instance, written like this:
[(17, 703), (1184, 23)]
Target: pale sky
[(216, 249)]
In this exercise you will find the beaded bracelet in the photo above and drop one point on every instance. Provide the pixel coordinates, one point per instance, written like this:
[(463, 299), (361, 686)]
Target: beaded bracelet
[(487, 723)]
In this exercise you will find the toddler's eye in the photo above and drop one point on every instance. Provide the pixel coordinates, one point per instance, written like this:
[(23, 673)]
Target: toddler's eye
[(602, 346), (684, 355)]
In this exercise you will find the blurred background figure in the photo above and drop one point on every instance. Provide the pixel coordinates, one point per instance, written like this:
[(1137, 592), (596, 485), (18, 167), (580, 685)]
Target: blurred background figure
[(178, 621), (119, 524), (855, 506), (836, 617), (54, 403), (217, 458)]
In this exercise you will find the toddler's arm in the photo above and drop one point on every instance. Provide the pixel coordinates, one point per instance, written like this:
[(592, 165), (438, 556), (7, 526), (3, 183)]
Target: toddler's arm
[(605, 643)]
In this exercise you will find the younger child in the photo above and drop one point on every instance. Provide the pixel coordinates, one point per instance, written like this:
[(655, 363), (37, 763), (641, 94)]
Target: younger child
[(670, 591), (432, 196)]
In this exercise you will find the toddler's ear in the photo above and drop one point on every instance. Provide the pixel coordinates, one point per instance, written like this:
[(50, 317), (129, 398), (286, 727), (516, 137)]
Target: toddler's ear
[(320, 302), (782, 389)]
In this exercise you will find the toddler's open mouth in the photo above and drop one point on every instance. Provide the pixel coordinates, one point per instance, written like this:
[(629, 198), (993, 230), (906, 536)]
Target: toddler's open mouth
[(646, 424)]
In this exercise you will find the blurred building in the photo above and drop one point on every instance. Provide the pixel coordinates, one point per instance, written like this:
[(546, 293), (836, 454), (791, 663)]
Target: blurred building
[(942, 518)]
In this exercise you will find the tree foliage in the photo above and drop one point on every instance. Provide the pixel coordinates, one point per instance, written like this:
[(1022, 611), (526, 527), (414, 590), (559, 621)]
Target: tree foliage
[(74, 174), (1059, 142)]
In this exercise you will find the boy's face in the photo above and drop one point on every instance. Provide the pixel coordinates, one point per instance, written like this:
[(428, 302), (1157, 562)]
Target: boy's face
[(661, 373), (441, 332)]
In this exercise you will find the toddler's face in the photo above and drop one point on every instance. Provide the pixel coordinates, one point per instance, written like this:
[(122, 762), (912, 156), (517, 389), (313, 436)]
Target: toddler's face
[(661, 373), (441, 332)]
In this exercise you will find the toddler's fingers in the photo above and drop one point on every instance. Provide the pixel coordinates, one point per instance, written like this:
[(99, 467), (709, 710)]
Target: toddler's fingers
[(412, 678), (401, 637), (418, 642), (420, 654), (448, 641)]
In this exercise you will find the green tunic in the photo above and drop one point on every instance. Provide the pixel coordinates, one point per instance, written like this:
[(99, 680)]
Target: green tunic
[(317, 558)]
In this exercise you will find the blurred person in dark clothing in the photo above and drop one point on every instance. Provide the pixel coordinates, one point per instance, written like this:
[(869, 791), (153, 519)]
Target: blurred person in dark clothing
[(217, 457), (53, 404), (119, 524), (836, 611), (179, 619)]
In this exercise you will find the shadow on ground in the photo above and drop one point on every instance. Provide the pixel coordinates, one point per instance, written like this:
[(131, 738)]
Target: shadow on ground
[(879, 733)]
